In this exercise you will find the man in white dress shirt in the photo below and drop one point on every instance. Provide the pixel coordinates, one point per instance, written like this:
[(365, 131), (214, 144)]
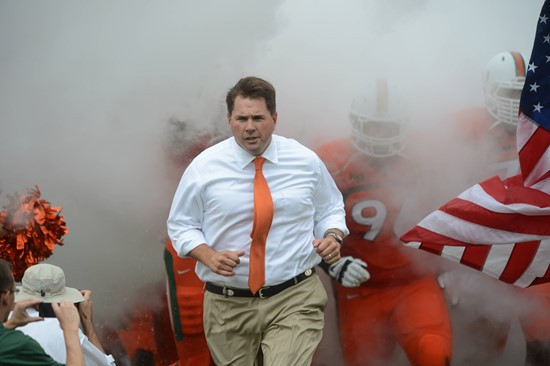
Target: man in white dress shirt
[(46, 282), (279, 322)]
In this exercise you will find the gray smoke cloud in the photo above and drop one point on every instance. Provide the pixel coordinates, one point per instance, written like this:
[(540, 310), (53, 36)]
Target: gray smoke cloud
[(86, 95), (87, 89)]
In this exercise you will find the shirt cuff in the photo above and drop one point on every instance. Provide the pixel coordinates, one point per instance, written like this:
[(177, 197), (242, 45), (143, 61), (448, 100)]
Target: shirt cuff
[(189, 241), (334, 222)]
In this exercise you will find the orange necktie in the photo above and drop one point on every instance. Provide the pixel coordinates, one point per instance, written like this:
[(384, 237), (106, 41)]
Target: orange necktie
[(263, 215)]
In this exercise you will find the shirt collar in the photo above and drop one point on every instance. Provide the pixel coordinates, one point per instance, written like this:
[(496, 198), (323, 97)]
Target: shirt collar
[(244, 158)]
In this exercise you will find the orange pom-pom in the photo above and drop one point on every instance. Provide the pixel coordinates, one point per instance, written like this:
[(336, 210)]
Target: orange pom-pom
[(29, 230)]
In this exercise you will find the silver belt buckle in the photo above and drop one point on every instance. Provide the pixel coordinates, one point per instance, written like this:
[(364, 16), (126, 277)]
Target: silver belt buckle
[(260, 293), (227, 292)]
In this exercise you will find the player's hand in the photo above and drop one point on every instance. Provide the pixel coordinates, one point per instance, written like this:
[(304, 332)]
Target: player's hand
[(349, 271), (459, 287)]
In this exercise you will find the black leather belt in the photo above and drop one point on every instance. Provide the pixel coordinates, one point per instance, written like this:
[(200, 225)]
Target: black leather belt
[(264, 292)]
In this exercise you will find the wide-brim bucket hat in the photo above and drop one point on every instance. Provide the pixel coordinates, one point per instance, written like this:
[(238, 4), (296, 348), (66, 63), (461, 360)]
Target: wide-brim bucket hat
[(46, 282)]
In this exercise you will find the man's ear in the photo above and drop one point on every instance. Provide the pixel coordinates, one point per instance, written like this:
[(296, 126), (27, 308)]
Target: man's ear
[(4, 298)]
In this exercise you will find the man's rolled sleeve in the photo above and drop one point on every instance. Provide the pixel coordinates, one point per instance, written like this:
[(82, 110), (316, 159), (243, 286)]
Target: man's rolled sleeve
[(331, 222), (184, 222), (92, 355), (329, 205)]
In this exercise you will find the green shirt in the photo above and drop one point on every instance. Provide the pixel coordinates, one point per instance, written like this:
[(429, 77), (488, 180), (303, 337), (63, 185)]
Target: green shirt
[(17, 349)]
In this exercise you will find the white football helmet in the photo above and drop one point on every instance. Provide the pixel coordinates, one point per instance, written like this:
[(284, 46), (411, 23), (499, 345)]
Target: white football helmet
[(504, 79), (378, 120)]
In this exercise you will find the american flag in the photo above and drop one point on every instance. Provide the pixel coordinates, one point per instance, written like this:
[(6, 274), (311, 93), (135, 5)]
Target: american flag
[(502, 228)]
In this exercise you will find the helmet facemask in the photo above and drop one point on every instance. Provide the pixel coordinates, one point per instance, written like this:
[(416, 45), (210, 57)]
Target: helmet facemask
[(378, 122), (503, 86), (503, 101), (379, 137)]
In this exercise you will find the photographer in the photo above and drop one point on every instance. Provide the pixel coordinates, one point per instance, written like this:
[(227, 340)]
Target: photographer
[(17, 348), (46, 283)]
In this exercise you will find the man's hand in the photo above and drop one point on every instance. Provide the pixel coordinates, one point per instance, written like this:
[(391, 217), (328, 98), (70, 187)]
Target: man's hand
[(69, 320), (328, 248), (85, 307), (85, 310), (349, 271), (221, 263), (67, 314), (20, 317)]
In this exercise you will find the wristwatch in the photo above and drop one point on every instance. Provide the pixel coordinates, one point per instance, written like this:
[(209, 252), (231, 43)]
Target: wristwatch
[(338, 238)]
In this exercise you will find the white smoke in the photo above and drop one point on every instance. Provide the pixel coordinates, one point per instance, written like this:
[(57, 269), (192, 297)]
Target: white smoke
[(86, 95), (87, 88)]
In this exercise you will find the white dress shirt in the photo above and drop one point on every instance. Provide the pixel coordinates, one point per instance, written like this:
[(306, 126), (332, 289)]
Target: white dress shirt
[(49, 335), (214, 204)]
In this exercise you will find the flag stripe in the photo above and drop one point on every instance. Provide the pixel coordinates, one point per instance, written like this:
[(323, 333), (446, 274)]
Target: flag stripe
[(540, 170), (511, 198), (539, 267), (442, 228), (532, 152), (426, 236), (544, 184), (514, 222), (452, 252), (526, 128), (475, 256), (432, 248), (543, 279), (493, 195), (520, 259), (497, 259)]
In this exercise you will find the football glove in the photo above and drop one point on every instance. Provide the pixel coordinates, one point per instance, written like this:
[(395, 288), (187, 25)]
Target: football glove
[(349, 271)]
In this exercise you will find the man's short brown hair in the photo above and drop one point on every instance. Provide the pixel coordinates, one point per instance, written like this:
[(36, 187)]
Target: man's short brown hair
[(253, 88)]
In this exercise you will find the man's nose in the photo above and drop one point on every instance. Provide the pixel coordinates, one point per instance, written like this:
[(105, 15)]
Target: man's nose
[(250, 125)]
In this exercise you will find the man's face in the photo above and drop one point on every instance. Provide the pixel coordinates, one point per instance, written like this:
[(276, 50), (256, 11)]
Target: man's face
[(252, 124), (9, 294)]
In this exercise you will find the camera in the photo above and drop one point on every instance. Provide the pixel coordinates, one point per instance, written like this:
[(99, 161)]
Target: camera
[(45, 310)]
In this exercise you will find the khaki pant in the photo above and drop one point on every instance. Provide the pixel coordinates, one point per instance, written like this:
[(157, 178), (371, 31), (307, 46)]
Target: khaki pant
[(288, 326)]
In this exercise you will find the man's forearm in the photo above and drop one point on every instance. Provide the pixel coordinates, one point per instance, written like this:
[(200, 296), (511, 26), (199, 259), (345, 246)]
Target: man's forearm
[(75, 357), (89, 330), (201, 253)]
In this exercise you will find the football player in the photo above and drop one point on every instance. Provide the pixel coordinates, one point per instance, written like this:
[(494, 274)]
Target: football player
[(385, 296)]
